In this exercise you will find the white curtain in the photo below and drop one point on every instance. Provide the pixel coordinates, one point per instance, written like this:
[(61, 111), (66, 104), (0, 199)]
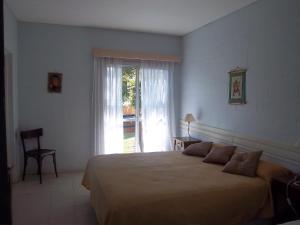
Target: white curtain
[(107, 106), (157, 110)]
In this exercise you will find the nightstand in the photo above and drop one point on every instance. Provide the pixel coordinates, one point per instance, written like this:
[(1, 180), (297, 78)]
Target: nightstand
[(282, 211), (180, 143)]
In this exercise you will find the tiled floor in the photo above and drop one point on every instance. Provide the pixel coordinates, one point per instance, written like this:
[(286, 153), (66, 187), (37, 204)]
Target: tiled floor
[(60, 201)]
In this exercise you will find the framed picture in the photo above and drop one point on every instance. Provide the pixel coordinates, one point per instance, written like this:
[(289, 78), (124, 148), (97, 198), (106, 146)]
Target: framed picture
[(54, 82), (237, 86)]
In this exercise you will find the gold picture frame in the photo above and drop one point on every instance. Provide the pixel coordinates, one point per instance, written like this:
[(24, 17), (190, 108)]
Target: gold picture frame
[(237, 86)]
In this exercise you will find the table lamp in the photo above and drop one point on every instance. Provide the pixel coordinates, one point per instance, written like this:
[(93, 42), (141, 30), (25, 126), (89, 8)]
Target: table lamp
[(189, 118)]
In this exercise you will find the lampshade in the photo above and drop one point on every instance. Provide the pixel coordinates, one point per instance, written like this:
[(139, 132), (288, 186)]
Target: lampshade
[(189, 117)]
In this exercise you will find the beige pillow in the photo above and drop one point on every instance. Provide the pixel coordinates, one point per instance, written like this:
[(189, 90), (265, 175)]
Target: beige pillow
[(220, 154), (198, 149), (243, 163), (268, 170)]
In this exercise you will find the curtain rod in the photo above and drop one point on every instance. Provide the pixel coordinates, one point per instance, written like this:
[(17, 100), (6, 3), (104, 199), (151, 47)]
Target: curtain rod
[(134, 55)]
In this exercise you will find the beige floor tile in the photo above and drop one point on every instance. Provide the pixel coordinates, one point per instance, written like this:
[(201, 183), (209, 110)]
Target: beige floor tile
[(58, 201)]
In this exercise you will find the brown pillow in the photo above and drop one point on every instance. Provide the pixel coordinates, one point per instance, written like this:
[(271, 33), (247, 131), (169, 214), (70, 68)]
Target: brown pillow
[(198, 149), (267, 170), (219, 154), (243, 163)]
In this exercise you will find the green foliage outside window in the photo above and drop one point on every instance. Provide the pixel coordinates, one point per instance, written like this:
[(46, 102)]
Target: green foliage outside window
[(128, 85)]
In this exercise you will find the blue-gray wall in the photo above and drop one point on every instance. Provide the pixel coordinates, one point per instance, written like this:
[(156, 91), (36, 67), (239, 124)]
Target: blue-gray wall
[(11, 49), (264, 38), (66, 117)]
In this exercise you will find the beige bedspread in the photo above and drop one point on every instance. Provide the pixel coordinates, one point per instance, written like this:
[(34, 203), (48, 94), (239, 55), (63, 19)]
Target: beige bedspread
[(169, 188)]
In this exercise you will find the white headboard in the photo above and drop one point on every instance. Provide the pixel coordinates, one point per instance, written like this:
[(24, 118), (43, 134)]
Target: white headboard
[(288, 156)]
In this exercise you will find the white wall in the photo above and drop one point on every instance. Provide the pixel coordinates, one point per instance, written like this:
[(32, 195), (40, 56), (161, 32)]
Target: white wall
[(264, 38), (66, 117)]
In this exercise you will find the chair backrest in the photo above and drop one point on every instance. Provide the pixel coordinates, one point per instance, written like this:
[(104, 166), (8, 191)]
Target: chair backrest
[(31, 134)]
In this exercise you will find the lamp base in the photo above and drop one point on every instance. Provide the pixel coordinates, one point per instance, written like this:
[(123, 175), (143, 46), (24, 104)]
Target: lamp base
[(189, 135)]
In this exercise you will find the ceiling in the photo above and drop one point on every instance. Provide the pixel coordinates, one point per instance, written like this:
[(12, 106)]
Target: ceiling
[(176, 17)]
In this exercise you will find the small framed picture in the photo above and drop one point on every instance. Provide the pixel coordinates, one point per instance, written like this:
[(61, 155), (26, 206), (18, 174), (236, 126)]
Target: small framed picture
[(237, 86), (54, 82)]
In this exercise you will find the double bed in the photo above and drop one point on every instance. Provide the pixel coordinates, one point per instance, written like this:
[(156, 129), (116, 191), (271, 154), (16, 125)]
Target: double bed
[(170, 188)]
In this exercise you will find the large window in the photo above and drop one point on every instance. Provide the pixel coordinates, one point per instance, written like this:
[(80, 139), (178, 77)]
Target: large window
[(132, 106)]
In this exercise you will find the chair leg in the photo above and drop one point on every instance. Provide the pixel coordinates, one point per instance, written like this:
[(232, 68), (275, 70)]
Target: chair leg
[(39, 160), (24, 169), (54, 163), (38, 169)]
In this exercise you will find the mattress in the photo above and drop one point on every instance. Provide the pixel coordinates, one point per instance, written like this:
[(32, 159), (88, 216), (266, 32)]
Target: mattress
[(165, 188)]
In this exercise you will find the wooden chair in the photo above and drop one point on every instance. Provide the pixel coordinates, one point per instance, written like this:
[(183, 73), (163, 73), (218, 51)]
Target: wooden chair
[(38, 153)]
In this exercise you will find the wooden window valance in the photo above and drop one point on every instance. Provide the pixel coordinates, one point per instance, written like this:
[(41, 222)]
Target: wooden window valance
[(134, 55)]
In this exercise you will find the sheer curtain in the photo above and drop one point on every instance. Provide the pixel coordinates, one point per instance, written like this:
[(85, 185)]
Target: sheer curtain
[(157, 110), (107, 106)]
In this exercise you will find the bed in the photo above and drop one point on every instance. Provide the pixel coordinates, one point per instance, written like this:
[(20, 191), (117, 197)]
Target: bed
[(169, 188)]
